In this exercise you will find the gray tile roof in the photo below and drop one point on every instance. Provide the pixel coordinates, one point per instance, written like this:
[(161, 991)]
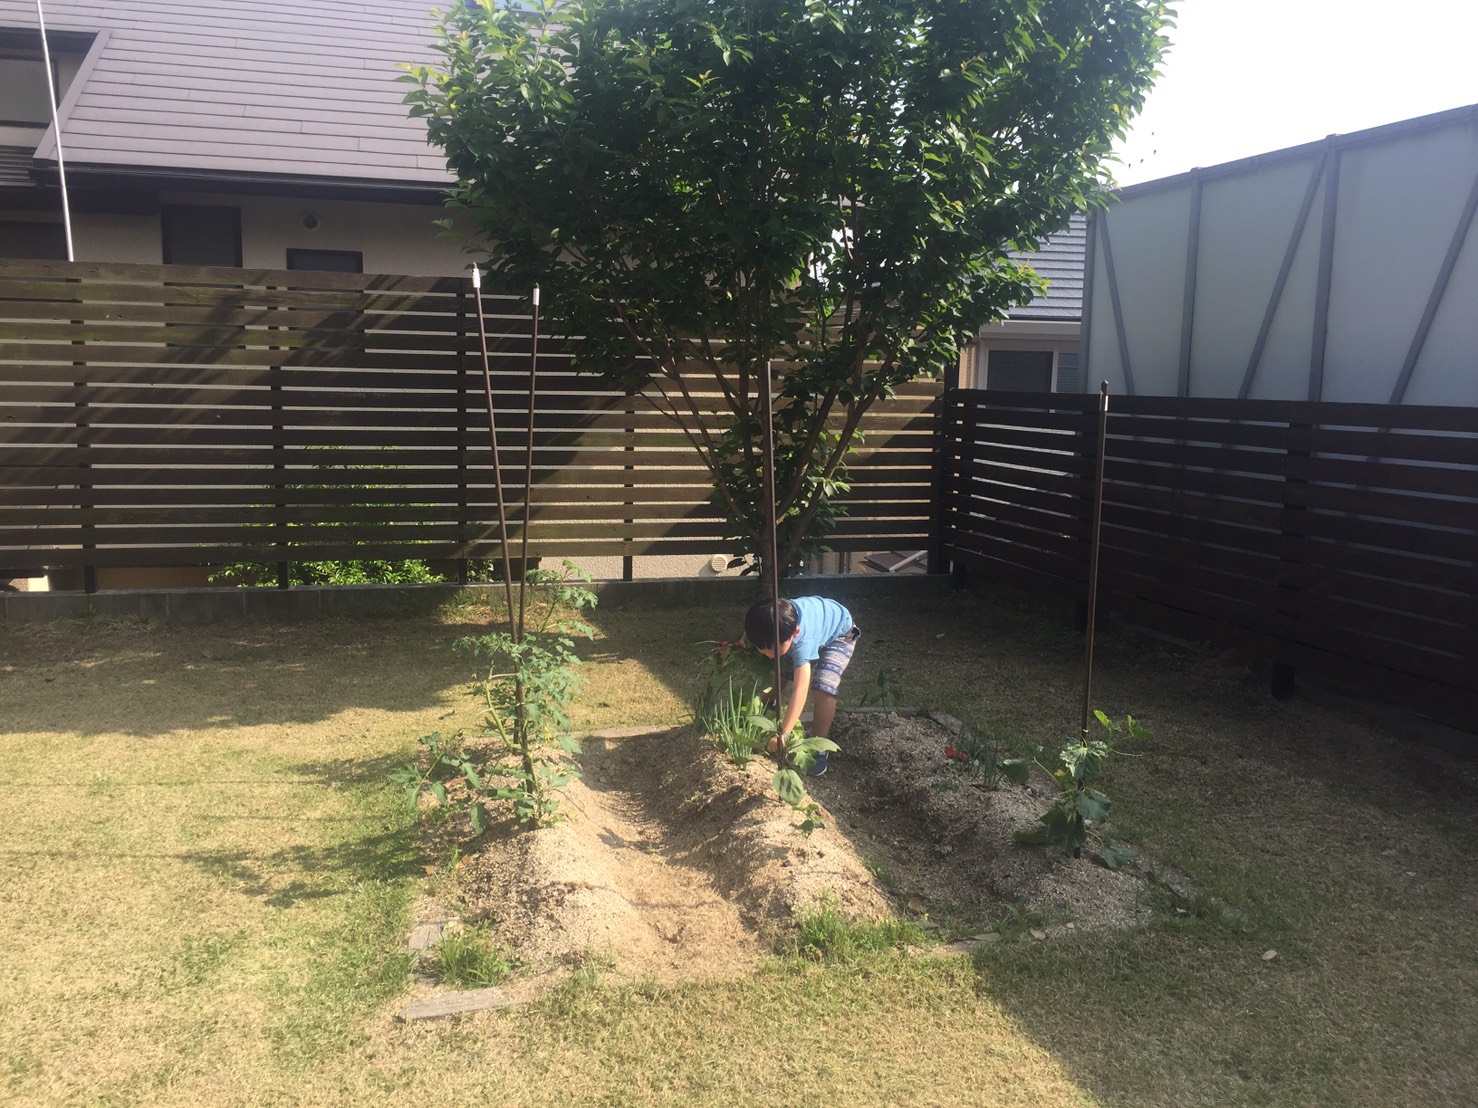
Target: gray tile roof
[(295, 88), (1060, 260)]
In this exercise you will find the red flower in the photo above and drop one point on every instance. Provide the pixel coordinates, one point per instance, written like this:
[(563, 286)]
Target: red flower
[(949, 752), (963, 756)]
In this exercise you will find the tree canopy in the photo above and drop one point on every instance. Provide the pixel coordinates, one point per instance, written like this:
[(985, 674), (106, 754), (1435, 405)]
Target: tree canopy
[(829, 187)]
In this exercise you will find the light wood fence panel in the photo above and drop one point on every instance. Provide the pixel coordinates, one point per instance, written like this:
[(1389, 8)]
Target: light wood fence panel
[(154, 415)]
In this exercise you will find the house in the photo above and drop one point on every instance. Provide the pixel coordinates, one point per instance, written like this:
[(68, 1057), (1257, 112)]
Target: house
[(1036, 348), (1340, 270), (265, 134), (261, 133)]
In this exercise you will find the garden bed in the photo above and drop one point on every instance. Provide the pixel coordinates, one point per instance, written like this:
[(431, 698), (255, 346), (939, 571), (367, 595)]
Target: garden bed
[(676, 864)]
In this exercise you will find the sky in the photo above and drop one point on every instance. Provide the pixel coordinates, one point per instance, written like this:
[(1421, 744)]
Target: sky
[(1244, 77)]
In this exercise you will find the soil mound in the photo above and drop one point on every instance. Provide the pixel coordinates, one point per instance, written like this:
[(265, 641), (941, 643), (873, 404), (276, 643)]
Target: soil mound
[(942, 836), (673, 862), (676, 864)]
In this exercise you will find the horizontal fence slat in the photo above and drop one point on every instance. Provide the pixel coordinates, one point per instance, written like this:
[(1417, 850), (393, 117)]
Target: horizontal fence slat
[(1341, 537)]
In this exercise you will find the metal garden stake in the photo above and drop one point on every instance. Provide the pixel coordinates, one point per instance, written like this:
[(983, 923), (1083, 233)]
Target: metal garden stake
[(1103, 405)]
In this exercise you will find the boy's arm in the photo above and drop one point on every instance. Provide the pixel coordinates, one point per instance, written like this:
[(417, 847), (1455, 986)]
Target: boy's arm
[(800, 684)]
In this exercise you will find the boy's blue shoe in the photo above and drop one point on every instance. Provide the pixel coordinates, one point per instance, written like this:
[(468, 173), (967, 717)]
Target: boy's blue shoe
[(818, 764)]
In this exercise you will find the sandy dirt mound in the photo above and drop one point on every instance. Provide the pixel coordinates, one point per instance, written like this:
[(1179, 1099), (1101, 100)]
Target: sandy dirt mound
[(674, 863), (678, 865)]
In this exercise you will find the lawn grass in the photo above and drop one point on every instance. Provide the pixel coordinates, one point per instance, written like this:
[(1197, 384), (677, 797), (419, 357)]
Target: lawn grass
[(207, 887)]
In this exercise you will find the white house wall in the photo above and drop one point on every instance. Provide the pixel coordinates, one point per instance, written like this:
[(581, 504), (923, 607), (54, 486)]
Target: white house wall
[(1235, 274), (1372, 237), (1399, 204), (1138, 241), (394, 238)]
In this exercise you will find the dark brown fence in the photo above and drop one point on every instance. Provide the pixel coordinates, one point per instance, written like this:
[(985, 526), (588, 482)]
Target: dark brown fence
[(1332, 537), (154, 416)]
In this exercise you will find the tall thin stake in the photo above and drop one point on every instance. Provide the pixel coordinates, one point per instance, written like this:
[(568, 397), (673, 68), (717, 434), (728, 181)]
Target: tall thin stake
[(56, 124), (528, 467), (487, 381), (771, 553), (1103, 406)]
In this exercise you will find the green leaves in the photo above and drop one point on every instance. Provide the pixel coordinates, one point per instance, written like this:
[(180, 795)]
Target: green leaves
[(1091, 804), (789, 786), (1115, 855), (1017, 770), (1079, 809), (831, 188), (527, 685)]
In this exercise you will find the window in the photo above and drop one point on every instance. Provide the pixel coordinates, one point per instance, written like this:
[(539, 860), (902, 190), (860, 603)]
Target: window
[(23, 100), (1019, 370), (1069, 379), (200, 235), (33, 240), (326, 261)]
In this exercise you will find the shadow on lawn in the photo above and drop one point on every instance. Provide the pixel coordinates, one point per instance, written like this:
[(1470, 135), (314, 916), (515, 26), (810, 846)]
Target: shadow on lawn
[(283, 878), (293, 874), (147, 680)]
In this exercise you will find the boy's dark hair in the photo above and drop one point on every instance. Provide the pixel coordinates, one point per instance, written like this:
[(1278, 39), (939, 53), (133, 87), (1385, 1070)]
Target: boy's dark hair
[(759, 623)]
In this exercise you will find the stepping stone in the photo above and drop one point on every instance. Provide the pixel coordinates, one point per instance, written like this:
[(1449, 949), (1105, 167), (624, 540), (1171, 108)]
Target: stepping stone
[(454, 1004), (426, 935)]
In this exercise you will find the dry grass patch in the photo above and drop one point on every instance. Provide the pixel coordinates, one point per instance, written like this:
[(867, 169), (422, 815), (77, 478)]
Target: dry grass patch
[(206, 887)]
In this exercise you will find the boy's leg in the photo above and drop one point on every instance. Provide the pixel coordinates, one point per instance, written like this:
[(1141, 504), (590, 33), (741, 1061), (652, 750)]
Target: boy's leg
[(823, 711), (826, 679)]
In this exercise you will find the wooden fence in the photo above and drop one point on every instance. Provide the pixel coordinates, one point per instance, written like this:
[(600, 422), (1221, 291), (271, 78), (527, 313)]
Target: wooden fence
[(167, 415), (1335, 537)]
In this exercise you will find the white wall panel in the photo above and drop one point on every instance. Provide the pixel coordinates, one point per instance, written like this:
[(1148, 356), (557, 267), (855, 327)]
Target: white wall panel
[(1399, 203), (1149, 243), (1246, 225), (1447, 370), (1402, 193)]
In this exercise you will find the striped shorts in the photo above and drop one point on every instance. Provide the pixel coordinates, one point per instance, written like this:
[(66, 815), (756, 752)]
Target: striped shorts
[(827, 669)]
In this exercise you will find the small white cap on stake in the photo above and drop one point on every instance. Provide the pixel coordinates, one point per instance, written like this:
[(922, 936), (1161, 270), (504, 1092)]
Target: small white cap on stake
[(476, 276), (536, 296)]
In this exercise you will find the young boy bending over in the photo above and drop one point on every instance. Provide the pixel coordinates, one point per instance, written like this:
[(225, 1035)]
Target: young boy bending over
[(816, 636)]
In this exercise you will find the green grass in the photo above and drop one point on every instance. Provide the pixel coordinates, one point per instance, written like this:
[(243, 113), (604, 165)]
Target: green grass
[(207, 888), (469, 958), (825, 934)]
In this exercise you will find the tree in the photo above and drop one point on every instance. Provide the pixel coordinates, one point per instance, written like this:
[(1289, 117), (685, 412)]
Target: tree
[(828, 187)]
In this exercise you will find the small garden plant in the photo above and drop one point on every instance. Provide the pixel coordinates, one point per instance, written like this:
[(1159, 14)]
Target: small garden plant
[(732, 710), (731, 707), (975, 756), (1080, 809), (521, 759)]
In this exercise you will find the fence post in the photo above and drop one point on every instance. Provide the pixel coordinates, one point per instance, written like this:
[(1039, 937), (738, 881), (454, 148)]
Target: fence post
[(1091, 446), (1287, 597), (279, 466), (464, 426), (628, 564), (948, 429), (85, 501)]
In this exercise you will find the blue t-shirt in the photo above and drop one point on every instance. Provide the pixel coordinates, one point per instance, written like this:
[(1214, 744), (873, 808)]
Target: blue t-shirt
[(821, 621)]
